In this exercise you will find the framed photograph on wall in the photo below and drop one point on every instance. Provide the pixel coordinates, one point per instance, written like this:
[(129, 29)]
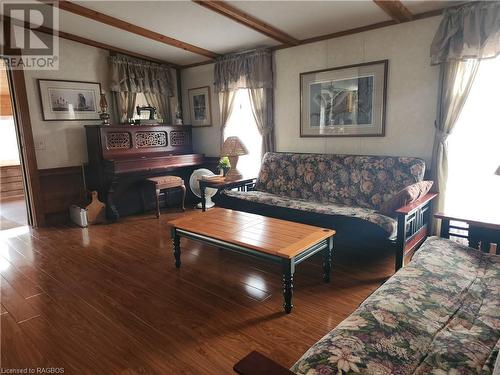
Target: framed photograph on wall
[(347, 101), (200, 106), (69, 100)]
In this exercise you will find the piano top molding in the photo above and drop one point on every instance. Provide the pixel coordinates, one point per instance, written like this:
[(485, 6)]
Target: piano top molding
[(133, 141)]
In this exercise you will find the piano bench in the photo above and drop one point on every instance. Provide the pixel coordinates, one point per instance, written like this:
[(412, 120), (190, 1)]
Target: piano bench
[(166, 183)]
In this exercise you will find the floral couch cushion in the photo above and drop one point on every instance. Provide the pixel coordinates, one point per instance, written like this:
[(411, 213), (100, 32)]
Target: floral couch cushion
[(439, 315), (363, 181), (387, 223)]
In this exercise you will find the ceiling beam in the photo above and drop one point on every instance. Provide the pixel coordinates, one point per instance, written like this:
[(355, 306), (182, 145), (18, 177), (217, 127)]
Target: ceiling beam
[(342, 33), (395, 9), (88, 42), (237, 15), (131, 28)]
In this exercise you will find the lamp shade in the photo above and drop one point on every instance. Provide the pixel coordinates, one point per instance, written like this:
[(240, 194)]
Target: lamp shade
[(233, 147)]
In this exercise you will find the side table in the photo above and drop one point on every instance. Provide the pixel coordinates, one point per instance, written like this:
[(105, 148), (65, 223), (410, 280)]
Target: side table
[(243, 184), (481, 233)]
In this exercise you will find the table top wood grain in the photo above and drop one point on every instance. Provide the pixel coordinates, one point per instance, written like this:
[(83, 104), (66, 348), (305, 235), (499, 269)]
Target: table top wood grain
[(282, 238)]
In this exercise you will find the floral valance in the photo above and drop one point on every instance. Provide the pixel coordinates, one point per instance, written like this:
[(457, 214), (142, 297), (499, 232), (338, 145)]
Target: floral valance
[(471, 31), (249, 70), (134, 75)]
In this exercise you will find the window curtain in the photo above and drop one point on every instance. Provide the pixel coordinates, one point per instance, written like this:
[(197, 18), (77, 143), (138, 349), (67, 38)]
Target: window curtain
[(253, 71), (226, 101), (465, 35), (455, 82), (262, 109), (124, 105), (130, 76)]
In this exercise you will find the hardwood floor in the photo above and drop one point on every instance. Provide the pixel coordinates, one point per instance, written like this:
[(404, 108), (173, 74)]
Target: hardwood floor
[(12, 212), (108, 300)]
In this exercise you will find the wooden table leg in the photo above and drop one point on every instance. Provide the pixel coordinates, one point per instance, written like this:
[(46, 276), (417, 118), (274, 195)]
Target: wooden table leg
[(445, 228), (327, 261), (111, 210), (176, 242), (157, 202), (203, 199), (288, 270), (183, 187)]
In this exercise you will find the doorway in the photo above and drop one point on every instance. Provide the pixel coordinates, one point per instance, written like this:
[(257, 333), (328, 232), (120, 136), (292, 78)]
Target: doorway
[(13, 207)]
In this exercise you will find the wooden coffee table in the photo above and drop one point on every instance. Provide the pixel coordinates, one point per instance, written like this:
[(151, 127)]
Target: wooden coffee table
[(274, 240)]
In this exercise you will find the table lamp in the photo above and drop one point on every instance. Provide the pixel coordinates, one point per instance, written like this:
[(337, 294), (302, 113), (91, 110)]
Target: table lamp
[(233, 148)]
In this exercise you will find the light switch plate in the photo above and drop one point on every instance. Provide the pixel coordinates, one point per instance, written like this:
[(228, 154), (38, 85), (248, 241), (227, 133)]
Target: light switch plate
[(40, 144)]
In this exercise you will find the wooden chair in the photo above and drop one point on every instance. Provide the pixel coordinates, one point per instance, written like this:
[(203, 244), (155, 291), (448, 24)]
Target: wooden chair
[(167, 183)]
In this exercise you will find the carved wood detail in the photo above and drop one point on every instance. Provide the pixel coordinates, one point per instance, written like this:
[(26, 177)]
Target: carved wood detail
[(150, 139), (118, 140), (179, 138)]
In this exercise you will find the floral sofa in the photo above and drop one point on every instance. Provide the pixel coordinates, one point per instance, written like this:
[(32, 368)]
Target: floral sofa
[(343, 192), (439, 315)]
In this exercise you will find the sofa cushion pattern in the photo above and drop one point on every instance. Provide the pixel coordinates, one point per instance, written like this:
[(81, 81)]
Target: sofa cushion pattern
[(388, 224), (439, 315), (363, 181)]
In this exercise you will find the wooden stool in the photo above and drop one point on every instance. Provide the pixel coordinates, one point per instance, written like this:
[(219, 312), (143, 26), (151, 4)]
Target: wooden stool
[(167, 183)]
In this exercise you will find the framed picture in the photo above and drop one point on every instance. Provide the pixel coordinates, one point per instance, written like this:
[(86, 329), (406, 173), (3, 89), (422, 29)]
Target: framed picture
[(69, 100), (347, 101), (200, 106)]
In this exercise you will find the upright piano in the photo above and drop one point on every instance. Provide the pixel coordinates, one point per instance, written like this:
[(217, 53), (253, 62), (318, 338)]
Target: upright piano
[(121, 157)]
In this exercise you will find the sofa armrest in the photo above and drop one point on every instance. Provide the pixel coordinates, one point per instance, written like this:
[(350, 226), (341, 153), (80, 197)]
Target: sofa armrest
[(414, 225), (405, 210), (256, 363)]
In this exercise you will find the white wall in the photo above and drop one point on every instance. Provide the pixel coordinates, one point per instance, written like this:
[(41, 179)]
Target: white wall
[(206, 140), (411, 96), (63, 143), (411, 92)]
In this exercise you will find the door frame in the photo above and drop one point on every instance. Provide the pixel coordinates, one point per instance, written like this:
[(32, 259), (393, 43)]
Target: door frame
[(26, 146)]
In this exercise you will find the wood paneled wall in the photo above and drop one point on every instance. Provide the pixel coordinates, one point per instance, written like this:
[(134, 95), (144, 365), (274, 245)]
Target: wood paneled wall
[(5, 104), (60, 188), (5, 107), (11, 181)]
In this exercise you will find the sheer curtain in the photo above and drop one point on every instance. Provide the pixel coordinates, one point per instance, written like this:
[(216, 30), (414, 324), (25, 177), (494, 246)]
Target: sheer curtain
[(130, 76), (242, 124), (474, 147), (456, 79), (466, 35), (244, 82)]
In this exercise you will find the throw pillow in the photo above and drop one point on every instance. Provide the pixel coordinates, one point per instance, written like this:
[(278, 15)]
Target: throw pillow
[(406, 196)]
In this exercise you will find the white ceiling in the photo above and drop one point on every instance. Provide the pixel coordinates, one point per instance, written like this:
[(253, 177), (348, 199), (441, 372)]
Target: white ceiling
[(184, 20), (417, 7), (194, 24), (307, 19)]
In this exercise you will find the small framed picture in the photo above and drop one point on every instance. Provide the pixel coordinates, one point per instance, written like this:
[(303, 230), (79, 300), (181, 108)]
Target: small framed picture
[(200, 106), (69, 100), (346, 101)]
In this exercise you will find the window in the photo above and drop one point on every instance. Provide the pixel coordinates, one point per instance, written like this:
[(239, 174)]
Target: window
[(241, 124), (474, 147)]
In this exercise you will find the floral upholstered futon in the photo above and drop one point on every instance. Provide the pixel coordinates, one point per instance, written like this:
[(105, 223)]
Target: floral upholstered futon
[(439, 315), (344, 185)]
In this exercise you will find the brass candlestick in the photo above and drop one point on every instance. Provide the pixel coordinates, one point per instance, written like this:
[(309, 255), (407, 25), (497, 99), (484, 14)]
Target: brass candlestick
[(104, 115)]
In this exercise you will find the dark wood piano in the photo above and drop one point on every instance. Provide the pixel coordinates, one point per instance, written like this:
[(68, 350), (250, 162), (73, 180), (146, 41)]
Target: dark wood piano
[(122, 156)]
